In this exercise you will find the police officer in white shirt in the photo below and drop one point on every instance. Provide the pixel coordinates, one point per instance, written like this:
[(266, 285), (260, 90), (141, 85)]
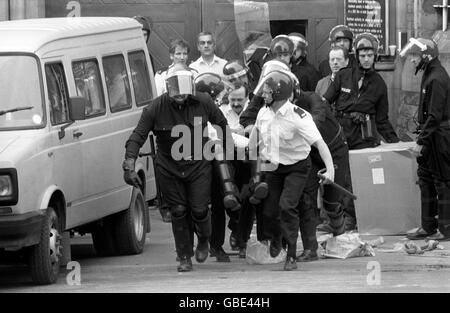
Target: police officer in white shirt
[(208, 62), (285, 134)]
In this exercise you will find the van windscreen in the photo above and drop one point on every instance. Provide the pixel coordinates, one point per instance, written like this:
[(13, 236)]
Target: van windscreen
[(21, 105)]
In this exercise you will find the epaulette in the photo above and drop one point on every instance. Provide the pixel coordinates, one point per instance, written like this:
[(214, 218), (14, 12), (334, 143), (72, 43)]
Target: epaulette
[(300, 112)]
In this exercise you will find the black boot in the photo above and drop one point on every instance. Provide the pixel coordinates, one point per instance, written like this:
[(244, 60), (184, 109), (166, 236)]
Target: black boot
[(202, 250), (275, 246), (307, 256), (185, 264), (291, 264), (203, 230), (220, 254)]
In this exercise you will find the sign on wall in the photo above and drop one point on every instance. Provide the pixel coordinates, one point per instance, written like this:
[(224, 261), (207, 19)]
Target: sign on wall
[(369, 16)]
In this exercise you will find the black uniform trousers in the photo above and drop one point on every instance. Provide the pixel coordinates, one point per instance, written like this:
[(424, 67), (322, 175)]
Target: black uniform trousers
[(332, 198), (218, 218), (355, 141), (435, 200), (248, 211), (188, 199), (281, 215)]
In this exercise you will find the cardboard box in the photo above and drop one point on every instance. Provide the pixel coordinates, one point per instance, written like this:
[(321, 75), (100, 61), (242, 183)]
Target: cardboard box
[(385, 181)]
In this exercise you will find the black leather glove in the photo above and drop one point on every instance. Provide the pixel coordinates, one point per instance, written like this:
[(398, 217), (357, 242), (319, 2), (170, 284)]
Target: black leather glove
[(129, 175)]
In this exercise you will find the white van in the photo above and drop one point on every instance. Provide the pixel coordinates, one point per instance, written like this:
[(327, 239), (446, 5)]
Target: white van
[(72, 90)]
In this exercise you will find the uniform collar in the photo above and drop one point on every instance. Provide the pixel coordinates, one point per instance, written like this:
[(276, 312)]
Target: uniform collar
[(284, 108)]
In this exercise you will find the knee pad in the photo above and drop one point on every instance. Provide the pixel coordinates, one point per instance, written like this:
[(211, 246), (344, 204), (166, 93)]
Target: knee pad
[(200, 216), (179, 211)]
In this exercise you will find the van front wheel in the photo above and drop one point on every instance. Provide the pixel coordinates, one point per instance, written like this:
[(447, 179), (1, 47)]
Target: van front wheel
[(44, 258), (131, 226)]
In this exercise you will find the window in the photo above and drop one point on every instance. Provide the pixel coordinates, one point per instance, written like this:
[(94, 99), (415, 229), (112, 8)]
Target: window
[(57, 93), (89, 86), (117, 83), (22, 102), (140, 77)]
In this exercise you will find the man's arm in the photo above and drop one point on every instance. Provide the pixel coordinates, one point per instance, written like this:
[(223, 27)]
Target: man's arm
[(384, 126), (248, 117), (140, 133), (327, 159), (333, 90)]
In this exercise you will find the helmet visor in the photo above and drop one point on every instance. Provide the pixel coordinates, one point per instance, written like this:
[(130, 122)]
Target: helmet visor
[(413, 47), (269, 67), (180, 83), (209, 83)]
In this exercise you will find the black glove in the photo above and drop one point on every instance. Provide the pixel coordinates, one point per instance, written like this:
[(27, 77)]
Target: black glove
[(129, 175)]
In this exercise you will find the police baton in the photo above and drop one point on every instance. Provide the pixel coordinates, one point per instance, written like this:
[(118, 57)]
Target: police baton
[(338, 187)]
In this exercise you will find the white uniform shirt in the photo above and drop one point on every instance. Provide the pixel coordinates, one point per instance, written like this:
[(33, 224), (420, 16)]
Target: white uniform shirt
[(215, 67), (286, 135)]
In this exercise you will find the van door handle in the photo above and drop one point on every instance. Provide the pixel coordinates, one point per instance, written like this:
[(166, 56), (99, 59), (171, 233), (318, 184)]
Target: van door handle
[(77, 134)]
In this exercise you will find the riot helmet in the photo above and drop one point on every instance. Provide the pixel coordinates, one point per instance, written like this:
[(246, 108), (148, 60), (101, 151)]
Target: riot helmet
[(426, 50), (179, 81), (341, 32), (370, 44), (210, 83), (282, 48), (146, 25), (366, 41), (277, 86), (300, 45), (235, 71), (268, 67)]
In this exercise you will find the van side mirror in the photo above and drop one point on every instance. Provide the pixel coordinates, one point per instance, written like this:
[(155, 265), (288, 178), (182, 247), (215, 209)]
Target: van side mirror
[(77, 107)]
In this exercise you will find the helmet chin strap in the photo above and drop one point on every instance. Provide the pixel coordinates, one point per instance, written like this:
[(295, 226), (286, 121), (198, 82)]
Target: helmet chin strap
[(421, 66), (269, 105)]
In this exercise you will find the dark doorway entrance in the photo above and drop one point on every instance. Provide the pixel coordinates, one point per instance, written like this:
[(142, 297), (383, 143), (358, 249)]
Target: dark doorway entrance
[(288, 26)]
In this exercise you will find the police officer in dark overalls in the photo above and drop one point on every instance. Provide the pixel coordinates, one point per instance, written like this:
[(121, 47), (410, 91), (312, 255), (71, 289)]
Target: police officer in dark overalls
[(178, 119), (433, 143), (361, 98)]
